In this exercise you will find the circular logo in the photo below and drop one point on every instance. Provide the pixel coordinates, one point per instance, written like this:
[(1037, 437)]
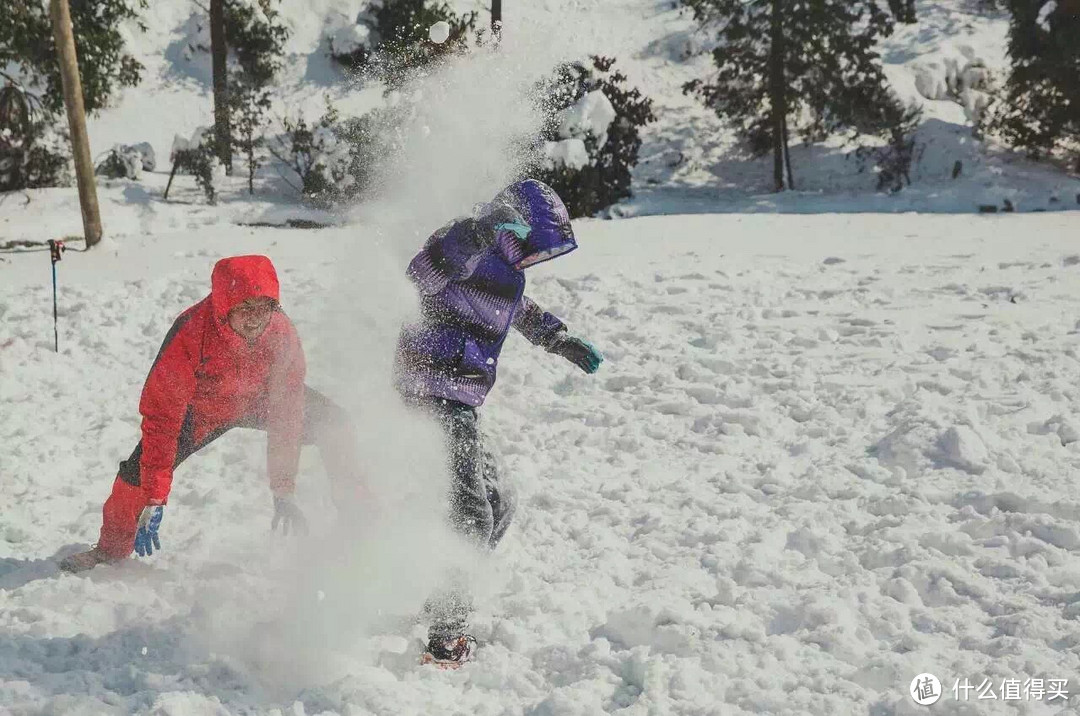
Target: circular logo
[(925, 689)]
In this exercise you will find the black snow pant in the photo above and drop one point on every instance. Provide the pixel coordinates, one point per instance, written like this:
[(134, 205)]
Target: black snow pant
[(481, 506)]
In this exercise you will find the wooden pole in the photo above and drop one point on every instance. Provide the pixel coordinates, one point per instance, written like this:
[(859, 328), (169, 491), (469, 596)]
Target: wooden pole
[(60, 14), (496, 16)]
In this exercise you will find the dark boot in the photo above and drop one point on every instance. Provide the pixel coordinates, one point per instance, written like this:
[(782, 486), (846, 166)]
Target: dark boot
[(82, 561)]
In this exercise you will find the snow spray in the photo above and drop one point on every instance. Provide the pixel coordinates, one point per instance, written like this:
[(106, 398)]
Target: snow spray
[(462, 134)]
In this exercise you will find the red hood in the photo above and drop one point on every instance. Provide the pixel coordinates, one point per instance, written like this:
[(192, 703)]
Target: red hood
[(238, 278)]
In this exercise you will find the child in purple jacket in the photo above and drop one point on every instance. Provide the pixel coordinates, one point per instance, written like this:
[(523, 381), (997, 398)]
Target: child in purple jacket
[(471, 281)]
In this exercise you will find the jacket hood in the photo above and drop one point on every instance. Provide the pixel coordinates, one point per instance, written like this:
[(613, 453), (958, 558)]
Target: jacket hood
[(544, 212), (238, 278)]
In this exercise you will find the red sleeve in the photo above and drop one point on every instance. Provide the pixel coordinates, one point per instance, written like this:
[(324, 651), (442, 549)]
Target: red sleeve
[(285, 417), (164, 403)]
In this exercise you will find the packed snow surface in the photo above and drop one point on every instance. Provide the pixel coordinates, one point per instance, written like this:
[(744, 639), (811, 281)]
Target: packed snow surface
[(824, 454)]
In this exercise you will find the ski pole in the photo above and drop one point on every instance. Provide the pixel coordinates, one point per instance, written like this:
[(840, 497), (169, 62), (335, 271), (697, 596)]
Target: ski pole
[(56, 248)]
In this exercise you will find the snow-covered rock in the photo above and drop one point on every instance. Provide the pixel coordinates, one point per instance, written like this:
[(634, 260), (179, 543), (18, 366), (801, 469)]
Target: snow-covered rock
[(955, 73)]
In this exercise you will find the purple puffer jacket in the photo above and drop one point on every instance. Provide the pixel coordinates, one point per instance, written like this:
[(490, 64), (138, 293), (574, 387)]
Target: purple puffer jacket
[(470, 298)]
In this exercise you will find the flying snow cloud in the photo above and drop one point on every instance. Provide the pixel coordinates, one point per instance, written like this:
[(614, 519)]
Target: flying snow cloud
[(467, 122)]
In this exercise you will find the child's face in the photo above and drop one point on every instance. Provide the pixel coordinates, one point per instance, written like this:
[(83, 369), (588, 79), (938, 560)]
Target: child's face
[(250, 318)]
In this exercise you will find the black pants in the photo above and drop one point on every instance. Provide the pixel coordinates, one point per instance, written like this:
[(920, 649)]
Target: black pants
[(326, 424), (481, 506)]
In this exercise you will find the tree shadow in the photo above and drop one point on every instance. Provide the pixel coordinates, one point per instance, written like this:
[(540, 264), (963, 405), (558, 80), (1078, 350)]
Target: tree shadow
[(128, 669), (186, 61)]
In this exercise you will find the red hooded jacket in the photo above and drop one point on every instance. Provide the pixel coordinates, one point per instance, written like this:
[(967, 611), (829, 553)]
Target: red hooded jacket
[(206, 368)]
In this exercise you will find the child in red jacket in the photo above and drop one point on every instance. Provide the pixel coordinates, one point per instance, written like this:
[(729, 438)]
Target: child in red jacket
[(232, 360)]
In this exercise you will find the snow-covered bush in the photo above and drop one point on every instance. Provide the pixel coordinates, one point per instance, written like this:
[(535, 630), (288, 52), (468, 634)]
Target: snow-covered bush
[(892, 160), (196, 156), (391, 38), (127, 161), (32, 153), (1040, 109), (27, 46), (335, 160), (590, 141)]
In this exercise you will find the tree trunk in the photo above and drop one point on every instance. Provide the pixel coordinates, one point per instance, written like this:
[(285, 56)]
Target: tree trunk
[(909, 15), (787, 157), (60, 15), (777, 90), (219, 53)]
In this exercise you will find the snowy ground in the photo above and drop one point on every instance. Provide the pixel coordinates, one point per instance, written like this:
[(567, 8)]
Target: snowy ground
[(824, 454)]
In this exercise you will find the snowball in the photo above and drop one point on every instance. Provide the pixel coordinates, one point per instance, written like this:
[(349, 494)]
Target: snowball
[(570, 153), (439, 32), (592, 113)]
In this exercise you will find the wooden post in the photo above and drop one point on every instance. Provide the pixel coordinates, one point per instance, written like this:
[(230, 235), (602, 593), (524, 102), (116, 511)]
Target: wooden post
[(60, 14), (496, 16)]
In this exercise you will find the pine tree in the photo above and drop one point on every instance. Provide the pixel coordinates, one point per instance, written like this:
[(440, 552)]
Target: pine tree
[(256, 37), (26, 44), (1041, 109), (805, 64)]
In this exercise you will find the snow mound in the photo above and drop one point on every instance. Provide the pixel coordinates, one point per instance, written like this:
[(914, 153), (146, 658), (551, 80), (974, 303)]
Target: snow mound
[(961, 447)]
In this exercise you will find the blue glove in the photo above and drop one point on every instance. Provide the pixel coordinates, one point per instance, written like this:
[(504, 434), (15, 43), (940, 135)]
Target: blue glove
[(580, 353), (146, 539)]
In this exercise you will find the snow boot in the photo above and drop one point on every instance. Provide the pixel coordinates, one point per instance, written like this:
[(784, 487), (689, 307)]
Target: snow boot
[(449, 653), (82, 561)]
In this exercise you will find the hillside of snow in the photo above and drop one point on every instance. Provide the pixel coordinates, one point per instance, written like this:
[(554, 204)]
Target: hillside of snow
[(690, 161)]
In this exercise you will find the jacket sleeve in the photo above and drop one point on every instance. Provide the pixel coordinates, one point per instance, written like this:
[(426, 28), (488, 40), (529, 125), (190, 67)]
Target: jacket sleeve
[(164, 403), (540, 327), (285, 415), (451, 254)]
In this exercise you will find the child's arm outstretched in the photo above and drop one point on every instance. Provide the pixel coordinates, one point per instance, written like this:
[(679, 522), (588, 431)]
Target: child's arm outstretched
[(547, 331)]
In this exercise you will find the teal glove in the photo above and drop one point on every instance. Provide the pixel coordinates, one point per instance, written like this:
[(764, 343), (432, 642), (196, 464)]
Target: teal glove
[(580, 353)]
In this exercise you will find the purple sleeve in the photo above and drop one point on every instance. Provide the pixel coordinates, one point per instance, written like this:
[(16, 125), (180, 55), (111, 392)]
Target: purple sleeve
[(451, 254), (536, 324)]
